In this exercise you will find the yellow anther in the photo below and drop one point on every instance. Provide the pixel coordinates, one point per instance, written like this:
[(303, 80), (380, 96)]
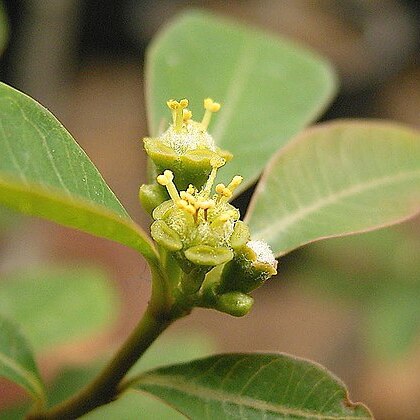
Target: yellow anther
[(191, 209), (206, 204), (172, 104), (220, 188), (167, 181), (236, 181), (227, 193), (184, 205), (210, 106), (183, 103), (181, 204), (185, 195), (177, 110), (166, 178), (191, 189), (186, 115), (217, 162)]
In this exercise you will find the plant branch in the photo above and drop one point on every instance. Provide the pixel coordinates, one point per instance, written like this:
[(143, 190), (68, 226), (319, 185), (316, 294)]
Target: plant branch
[(104, 388)]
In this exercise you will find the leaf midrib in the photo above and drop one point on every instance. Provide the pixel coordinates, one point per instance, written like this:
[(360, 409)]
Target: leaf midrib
[(177, 383), (284, 223)]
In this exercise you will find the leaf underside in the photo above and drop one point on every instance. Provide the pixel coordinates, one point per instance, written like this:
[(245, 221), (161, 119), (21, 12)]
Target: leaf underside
[(337, 179), (44, 172), (251, 386), (269, 88)]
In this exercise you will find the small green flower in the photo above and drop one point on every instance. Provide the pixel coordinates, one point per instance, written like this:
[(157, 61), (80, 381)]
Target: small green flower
[(196, 224), (186, 148)]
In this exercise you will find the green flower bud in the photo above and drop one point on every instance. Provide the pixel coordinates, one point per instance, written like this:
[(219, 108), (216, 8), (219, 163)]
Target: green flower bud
[(251, 266), (186, 148), (234, 303), (151, 195)]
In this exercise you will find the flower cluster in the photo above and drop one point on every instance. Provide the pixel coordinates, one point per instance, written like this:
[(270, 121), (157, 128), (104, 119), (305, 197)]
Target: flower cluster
[(194, 222), (186, 148)]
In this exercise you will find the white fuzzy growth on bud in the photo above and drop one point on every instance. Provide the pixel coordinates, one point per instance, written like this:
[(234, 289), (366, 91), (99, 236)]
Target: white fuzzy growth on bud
[(263, 252), (191, 137)]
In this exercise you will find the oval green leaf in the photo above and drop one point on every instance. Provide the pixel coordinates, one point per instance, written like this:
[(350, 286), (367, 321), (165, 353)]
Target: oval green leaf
[(17, 363), (257, 386), (44, 172), (337, 179), (269, 88), (35, 299)]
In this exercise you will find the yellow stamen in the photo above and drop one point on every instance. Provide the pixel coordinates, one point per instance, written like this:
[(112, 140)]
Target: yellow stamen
[(183, 103), (216, 163), (191, 209), (188, 197), (210, 107), (206, 204), (182, 204), (173, 106), (223, 191), (236, 181), (186, 115), (223, 218), (220, 188), (191, 189), (167, 181), (177, 110)]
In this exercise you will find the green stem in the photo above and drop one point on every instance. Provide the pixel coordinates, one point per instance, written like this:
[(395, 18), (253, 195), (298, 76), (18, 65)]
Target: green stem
[(104, 387)]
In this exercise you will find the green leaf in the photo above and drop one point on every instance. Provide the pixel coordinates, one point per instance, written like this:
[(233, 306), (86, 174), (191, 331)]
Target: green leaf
[(337, 179), (393, 323), (251, 386), (44, 172), (58, 305), (132, 405), (378, 274), (269, 88), (16, 360)]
